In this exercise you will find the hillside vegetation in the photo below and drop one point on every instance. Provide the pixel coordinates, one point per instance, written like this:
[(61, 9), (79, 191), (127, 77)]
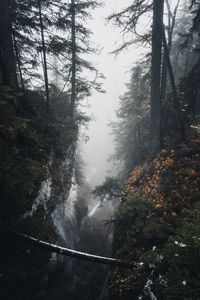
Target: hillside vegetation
[(157, 228)]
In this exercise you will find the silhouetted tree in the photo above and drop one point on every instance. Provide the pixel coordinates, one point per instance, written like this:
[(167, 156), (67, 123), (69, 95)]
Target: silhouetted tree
[(8, 74), (157, 34)]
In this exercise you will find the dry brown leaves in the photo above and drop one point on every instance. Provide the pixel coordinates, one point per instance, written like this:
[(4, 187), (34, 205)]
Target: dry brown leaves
[(172, 180)]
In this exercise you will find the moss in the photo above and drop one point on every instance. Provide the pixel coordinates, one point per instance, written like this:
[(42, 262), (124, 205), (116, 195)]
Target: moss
[(32, 225), (27, 139), (20, 188), (155, 234), (63, 138), (21, 172), (26, 143), (56, 175)]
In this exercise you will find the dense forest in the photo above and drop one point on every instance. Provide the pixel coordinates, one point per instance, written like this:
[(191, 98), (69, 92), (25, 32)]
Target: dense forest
[(153, 233)]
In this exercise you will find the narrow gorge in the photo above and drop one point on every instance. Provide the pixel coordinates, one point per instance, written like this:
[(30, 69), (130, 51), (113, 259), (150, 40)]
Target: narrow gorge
[(99, 150)]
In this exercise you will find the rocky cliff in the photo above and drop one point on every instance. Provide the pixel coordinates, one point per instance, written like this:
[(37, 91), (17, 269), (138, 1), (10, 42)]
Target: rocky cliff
[(38, 194)]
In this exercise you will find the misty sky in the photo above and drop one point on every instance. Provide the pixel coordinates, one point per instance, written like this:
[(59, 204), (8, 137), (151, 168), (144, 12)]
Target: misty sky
[(103, 106), (116, 70)]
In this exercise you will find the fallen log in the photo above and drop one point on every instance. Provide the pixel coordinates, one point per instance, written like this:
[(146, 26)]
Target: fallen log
[(69, 252)]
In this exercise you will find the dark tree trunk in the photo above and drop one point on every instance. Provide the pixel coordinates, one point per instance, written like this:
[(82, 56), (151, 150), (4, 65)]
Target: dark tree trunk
[(73, 41), (44, 57), (179, 117), (18, 63), (171, 25), (8, 74), (155, 122)]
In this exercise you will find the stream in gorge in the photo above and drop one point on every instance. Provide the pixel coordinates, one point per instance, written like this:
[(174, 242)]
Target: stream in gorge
[(53, 205), (80, 225), (99, 150), (80, 221)]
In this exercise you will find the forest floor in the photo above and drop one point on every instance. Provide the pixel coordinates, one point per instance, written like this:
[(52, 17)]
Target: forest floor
[(172, 180), (157, 227)]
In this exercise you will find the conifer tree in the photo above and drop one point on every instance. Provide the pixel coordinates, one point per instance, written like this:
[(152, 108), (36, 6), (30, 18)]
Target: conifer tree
[(55, 29), (131, 130), (37, 31), (157, 37), (8, 74), (78, 11)]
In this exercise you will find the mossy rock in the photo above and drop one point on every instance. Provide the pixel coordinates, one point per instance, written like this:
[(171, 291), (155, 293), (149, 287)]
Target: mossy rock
[(21, 186), (56, 175), (39, 225)]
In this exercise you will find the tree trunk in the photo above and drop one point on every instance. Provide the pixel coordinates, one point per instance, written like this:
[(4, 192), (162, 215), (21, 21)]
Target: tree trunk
[(180, 122), (68, 252), (171, 25), (73, 41), (8, 74), (155, 122), (18, 62), (170, 30), (44, 57)]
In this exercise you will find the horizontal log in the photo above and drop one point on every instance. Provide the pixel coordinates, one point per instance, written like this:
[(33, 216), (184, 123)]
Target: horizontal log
[(69, 252)]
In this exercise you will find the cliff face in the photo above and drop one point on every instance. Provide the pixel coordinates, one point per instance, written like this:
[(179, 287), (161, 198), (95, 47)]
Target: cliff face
[(157, 228), (64, 217), (42, 197), (38, 195)]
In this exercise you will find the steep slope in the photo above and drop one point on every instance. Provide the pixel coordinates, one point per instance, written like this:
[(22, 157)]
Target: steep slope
[(37, 195), (172, 180), (157, 228)]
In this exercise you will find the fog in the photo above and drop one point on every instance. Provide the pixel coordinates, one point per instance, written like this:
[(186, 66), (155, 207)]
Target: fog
[(103, 106), (100, 146)]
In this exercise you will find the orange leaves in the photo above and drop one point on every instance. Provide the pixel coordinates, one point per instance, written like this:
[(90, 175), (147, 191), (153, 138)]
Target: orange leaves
[(191, 172), (171, 180)]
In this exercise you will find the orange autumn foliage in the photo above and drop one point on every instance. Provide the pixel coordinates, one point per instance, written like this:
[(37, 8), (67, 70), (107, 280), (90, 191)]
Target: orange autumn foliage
[(172, 180)]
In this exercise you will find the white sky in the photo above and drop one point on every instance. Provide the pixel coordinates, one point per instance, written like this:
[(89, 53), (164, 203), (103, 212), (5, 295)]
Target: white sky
[(103, 106)]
